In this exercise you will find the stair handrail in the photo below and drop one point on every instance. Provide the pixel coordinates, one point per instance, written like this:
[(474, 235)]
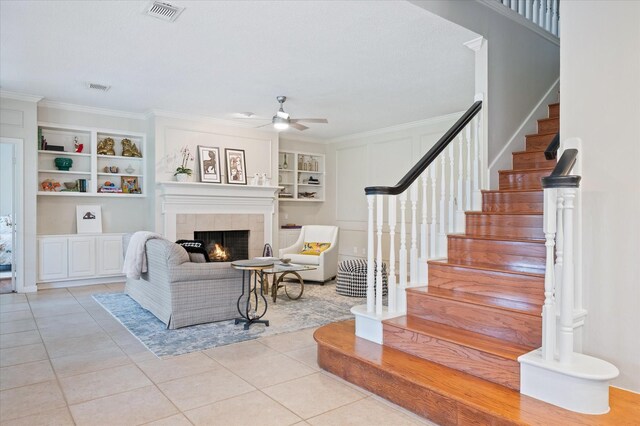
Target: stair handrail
[(429, 157), (560, 177), (551, 152)]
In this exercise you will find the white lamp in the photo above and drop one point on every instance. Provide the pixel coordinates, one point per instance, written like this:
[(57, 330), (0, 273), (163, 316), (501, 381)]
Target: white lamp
[(280, 123)]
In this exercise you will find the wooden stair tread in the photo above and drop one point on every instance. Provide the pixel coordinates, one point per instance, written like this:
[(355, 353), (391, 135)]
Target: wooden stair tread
[(476, 299), (542, 134), (478, 213), (505, 270), (510, 191), (445, 395), (530, 152), (492, 238), (516, 171), (462, 337)]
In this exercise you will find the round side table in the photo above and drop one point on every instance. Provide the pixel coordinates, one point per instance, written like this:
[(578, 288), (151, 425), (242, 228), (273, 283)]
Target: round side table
[(252, 312)]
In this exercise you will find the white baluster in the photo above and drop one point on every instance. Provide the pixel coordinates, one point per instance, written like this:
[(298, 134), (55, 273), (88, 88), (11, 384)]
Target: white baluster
[(442, 235), (424, 246), (467, 178), (391, 303), (413, 260), (542, 12), (559, 246), (514, 5), (535, 11), (547, 16), (549, 307), (506, 2), (522, 7), (477, 195), (554, 17), (452, 189), (528, 7), (402, 300), (566, 312), (370, 272), (460, 200), (433, 224), (379, 223)]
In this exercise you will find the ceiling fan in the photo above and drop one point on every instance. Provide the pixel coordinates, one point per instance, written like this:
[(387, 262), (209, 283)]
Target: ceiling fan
[(282, 120)]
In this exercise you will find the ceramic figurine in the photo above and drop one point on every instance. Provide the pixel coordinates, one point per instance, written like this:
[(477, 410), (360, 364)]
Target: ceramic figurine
[(105, 147), (129, 149), (78, 147)]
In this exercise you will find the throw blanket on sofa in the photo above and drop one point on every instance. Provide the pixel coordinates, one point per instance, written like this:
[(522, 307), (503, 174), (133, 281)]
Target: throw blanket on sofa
[(135, 260)]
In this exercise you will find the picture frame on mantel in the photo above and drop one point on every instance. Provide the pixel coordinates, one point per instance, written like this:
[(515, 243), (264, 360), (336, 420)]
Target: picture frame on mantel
[(209, 158), (236, 167)]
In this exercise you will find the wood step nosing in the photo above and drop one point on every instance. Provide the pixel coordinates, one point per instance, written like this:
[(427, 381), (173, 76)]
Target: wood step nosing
[(515, 171), (484, 268), (492, 238)]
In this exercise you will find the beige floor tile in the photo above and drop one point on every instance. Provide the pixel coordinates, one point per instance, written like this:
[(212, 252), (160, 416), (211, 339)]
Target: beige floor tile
[(269, 370), (288, 342), (15, 315), (248, 409), (87, 362), (308, 356), (204, 388), (413, 416), (22, 354), (65, 320), (57, 417), (17, 326), (177, 420), (15, 307), (249, 350), (75, 345), (29, 400), (6, 299), (365, 412), (43, 310), (123, 337), (312, 395), (22, 338), (128, 408), (98, 384), (138, 352), (67, 332), (116, 286), (163, 370), (25, 374), (346, 383), (88, 289)]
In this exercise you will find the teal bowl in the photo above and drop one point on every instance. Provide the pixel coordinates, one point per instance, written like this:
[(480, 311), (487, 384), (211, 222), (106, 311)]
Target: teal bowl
[(63, 163)]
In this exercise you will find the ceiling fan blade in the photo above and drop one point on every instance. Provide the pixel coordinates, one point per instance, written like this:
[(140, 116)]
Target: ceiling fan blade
[(251, 118), (311, 120), (263, 125), (298, 125)]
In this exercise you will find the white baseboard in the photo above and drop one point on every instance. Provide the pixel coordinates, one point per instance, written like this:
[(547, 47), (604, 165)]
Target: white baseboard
[(82, 282)]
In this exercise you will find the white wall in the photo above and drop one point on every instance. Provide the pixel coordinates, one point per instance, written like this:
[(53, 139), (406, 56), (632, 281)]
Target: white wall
[(599, 69), (380, 157), (57, 215), (18, 120), (522, 66), (6, 179)]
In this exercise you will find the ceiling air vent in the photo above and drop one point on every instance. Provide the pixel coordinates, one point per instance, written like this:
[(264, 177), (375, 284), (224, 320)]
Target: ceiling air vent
[(96, 86), (165, 11)]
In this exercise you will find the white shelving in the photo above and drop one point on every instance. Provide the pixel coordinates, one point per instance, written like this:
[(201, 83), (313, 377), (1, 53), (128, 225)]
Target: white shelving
[(88, 164), (295, 169)]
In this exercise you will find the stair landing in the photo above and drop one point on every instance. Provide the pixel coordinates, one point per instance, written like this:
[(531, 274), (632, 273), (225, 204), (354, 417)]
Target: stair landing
[(444, 395)]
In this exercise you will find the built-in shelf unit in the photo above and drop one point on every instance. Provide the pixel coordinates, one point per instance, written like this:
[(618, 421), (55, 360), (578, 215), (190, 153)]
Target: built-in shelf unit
[(302, 176)]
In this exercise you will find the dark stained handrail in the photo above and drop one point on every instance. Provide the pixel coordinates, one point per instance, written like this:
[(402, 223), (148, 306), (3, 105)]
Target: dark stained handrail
[(429, 157), (560, 177), (551, 153)]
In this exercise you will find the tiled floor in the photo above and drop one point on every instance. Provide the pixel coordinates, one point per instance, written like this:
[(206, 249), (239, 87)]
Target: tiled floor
[(64, 360)]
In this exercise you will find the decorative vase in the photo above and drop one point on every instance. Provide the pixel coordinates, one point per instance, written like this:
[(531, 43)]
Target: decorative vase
[(182, 177)]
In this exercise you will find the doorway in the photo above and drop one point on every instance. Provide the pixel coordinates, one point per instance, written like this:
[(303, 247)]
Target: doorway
[(10, 213)]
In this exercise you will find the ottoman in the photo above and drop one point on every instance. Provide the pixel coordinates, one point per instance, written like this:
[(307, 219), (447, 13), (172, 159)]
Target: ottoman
[(352, 278)]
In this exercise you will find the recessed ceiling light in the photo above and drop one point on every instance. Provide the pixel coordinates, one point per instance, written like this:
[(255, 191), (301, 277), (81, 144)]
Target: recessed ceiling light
[(165, 11)]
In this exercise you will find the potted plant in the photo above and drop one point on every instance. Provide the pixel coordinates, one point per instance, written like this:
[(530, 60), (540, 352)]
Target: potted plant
[(183, 173)]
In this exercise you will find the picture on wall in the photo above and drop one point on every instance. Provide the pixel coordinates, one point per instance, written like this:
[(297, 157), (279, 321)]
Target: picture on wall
[(236, 168), (209, 164), (89, 219)]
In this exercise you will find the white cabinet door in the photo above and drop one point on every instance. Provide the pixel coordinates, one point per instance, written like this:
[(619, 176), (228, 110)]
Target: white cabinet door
[(82, 256), (52, 260), (109, 255)]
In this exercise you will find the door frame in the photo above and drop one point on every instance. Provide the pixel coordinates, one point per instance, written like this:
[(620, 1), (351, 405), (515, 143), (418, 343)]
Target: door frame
[(17, 266)]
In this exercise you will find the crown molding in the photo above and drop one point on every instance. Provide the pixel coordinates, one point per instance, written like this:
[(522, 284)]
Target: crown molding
[(194, 117), (516, 17), (91, 110), (20, 96), (396, 128)]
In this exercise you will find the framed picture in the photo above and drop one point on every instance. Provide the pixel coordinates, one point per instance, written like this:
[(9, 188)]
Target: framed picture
[(209, 164), (236, 168), (89, 219), (130, 185)]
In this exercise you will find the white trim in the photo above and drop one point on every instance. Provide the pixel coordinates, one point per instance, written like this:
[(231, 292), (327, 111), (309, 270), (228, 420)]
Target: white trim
[(204, 118), (20, 96), (91, 110), (516, 17), (90, 129), (18, 215), (66, 282), (474, 44), (398, 127)]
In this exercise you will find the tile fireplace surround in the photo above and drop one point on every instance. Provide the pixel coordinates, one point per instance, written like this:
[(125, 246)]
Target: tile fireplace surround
[(187, 207)]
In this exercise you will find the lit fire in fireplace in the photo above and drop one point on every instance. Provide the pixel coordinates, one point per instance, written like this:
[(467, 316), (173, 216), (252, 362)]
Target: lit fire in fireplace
[(218, 254)]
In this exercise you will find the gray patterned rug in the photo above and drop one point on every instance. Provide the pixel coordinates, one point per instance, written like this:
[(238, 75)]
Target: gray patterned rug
[(319, 305)]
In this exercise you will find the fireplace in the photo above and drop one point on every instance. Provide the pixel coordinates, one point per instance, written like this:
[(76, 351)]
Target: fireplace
[(225, 246)]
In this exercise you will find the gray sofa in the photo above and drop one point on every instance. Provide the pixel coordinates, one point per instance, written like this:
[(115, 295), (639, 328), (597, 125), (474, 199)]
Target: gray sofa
[(180, 292)]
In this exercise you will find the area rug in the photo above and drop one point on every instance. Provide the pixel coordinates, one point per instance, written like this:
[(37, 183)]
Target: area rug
[(318, 305)]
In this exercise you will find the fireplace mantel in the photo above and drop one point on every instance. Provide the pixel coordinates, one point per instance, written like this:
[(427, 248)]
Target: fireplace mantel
[(211, 198)]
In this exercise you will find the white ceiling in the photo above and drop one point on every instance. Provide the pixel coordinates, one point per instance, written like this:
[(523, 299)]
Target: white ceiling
[(362, 64)]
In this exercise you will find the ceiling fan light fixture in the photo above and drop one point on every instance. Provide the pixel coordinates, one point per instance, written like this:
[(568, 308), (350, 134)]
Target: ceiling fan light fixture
[(280, 123)]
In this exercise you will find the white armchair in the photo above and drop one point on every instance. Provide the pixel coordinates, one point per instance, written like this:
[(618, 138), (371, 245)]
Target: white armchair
[(326, 262)]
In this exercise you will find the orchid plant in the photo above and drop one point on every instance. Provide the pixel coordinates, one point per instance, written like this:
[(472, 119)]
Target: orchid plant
[(186, 157)]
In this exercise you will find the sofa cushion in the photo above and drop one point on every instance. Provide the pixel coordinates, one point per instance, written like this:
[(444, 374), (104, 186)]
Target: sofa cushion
[(195, 247), (303, 259), (314, 249)]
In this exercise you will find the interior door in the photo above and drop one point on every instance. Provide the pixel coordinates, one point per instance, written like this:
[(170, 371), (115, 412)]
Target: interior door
[(7, 218)]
